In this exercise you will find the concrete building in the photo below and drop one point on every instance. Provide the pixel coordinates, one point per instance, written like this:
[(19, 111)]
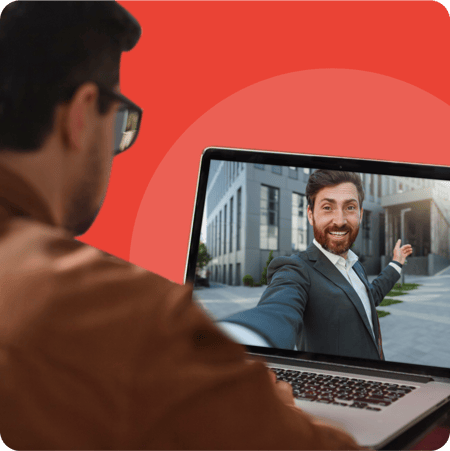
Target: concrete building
[(252, 209), (426, 209)]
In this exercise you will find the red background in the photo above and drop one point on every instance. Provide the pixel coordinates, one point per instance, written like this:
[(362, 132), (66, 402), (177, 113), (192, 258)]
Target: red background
[(194, 55)]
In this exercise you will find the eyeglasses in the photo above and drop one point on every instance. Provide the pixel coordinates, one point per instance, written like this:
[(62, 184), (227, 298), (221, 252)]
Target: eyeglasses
[(128, 121)]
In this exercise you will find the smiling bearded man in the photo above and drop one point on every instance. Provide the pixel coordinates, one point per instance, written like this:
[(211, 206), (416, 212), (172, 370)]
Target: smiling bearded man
[(338, 216), (320, 300)]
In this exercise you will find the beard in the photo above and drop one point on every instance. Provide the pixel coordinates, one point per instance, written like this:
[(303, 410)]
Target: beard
[(83, 208), (335, 246)]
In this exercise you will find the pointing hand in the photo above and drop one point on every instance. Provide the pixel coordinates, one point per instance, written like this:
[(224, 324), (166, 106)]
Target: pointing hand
[(400, 253)]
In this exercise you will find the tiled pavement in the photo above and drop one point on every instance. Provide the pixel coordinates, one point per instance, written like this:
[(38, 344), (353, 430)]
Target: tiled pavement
[(416, 331)]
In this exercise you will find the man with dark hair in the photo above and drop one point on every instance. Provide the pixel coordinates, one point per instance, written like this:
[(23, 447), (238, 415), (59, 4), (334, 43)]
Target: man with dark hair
[(320, 300), (96, 353)]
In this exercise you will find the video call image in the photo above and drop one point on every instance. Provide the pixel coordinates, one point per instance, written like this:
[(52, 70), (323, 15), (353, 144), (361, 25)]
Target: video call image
[(329, 277)]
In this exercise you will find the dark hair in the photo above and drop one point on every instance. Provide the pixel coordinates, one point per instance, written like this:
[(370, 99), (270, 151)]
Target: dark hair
[(47, 50), (322, 178)]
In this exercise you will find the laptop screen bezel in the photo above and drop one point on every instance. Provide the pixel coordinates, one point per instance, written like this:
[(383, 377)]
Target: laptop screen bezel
[(399, 169)]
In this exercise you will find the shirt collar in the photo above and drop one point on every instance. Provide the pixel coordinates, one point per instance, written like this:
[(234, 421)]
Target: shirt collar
[(352, 258)]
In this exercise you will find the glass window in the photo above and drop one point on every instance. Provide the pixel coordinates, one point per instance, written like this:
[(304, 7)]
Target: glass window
[(276, 169), (225, 230), (269, 208), (239, 218), (367, 242), (220, 233), (259, 166), (293, 173), (215, 237), (299, 222), (238, 273), (231, 225)]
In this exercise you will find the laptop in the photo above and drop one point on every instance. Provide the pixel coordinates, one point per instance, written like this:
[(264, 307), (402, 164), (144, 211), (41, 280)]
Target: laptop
[(251, 209)]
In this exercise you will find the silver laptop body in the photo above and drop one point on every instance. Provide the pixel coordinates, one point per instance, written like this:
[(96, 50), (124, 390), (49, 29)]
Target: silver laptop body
[(235, 183)]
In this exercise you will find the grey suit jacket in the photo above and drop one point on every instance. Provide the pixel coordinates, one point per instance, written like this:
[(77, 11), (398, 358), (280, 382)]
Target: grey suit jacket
[(309, 303)]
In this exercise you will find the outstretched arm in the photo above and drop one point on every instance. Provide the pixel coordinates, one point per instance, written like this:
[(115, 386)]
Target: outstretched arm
[(278, 317)]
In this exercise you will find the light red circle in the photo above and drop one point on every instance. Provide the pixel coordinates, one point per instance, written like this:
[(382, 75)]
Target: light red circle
[(324, 112)]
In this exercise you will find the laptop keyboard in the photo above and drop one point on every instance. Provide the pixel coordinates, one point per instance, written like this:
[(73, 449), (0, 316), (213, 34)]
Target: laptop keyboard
[(342, 391)]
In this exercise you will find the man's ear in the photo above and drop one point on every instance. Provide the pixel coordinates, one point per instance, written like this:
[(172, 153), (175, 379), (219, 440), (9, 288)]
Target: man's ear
[(310, 215), (81, 112)]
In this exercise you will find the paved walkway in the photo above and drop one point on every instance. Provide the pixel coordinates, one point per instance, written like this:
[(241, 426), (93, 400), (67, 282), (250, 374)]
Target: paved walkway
[(416, 331)]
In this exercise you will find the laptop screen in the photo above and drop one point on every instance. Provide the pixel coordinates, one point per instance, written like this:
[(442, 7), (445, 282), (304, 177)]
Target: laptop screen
[(328, 278)]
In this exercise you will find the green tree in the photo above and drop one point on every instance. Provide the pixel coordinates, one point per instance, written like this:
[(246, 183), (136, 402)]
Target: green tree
[(264, 273), (203, 257)]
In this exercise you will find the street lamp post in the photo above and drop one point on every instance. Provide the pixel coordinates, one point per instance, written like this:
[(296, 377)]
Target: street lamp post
[(403, 237)]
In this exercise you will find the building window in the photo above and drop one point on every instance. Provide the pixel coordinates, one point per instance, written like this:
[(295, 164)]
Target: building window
[(259, 166), (299, 222), (367, 242), (269, 208), (220, 233), (225, 230), (231, 225), (238, 273), (224, 280), (215, 237), (293, 173), (372, 184), (276, 169), (380, 181), (306, 172), (239, 219), (230, 274)]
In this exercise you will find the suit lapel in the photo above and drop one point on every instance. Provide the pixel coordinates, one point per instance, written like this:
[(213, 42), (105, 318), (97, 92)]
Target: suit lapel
[(328, 270), (362, 275)]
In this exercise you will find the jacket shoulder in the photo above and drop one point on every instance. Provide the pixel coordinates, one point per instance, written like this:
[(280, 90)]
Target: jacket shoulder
[(296, 262)]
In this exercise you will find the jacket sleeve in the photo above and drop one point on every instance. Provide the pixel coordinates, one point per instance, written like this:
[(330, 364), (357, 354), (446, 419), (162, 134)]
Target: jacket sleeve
[(278, 317), (384, 283), (100, 354)]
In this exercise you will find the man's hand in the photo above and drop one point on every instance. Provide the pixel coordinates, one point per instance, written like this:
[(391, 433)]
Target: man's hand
[(401, 253), (283, 389), (332, 432)]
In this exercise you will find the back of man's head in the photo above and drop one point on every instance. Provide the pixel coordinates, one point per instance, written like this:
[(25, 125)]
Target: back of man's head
[(47, 50)]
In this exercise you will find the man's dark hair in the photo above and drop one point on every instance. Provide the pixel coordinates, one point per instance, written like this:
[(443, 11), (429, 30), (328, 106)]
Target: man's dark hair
[(322, 178), (47, 50)]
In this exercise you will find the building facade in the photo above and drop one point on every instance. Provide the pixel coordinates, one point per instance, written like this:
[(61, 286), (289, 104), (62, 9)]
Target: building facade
[(253, 209)]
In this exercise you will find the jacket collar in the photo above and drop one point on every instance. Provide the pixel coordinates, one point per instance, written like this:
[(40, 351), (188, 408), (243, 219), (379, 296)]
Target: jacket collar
[(329, 270)]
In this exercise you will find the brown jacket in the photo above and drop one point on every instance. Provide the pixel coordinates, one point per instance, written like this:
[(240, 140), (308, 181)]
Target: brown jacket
[(96, 353)]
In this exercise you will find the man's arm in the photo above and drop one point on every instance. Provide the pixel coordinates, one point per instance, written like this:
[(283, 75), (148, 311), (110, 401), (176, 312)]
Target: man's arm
[(384, 283), (100, 354), (278, 317)]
